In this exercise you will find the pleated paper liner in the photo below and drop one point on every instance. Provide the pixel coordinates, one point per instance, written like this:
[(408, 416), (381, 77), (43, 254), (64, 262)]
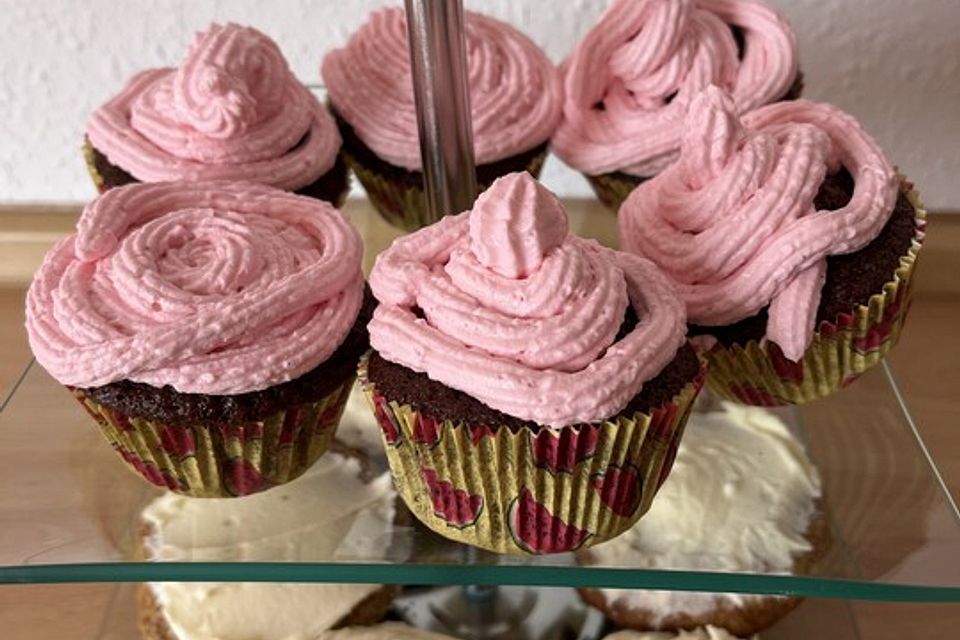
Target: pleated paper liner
[(223, 460), (613, 188), (405, 206), (92, 168), (758, 373), (744, 618), (525, 491)]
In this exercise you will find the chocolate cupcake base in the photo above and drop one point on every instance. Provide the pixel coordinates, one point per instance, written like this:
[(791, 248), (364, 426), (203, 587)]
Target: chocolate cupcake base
[(331, 186), (398, 193), (511, 486)]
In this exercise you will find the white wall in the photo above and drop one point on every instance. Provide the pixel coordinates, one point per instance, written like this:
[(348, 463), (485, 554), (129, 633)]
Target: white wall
[(893, 63)]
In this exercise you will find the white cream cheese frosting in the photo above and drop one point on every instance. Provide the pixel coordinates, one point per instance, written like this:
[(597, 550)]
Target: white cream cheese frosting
[(328, 513), (740, 498), (701, 633)]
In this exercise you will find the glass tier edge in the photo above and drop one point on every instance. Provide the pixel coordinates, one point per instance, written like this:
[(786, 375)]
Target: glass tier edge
[(921, 443), (585, 577)]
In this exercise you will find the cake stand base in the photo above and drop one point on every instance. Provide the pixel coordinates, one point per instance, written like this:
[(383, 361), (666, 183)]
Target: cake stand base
[(501, 613)]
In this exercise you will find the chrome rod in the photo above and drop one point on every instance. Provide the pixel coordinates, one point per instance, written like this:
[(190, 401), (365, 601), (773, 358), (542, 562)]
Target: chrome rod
[(439, 66)]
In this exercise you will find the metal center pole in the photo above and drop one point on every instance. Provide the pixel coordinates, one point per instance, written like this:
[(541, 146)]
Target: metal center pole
[(439, 66), (438, 61)]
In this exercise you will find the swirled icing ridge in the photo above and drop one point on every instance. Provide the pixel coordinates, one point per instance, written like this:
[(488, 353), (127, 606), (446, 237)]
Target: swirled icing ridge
[(504, 305), (215, 288), (515, 91), (734, 223), (231, 111), (629, 83)]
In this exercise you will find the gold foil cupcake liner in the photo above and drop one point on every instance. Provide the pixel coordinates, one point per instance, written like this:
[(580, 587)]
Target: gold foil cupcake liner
[(758, 373), (92, 168), (223, 460), (521, 491), (612, 188), (403, 205)]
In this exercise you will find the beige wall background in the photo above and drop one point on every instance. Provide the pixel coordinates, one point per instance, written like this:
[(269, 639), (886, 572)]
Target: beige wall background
[(893, 63)]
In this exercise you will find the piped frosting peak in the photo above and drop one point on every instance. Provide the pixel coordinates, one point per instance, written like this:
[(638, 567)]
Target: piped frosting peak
[(504, 304), (717, 123)]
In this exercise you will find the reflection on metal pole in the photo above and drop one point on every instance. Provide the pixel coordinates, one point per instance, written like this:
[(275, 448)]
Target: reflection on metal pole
[(439, 66)]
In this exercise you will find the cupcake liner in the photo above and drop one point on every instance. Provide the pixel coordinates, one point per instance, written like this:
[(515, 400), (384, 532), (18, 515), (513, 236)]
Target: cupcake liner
[(758, 373), (92, 168), (405, 205), (613, 188), (224, 460), (524, 491)]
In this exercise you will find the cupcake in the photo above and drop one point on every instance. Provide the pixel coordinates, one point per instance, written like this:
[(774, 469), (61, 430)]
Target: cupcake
[(515, 102), (232, 111), (531, 386), (700, 633), (211, 329), (303, 521), (629, 82), (743, 496), (790, 238)]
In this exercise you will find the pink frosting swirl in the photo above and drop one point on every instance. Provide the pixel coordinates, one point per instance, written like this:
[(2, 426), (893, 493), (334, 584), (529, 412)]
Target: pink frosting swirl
[(521, 315), (515, 91), (231, 111), (215, 288), (629, 82), (734, 221)]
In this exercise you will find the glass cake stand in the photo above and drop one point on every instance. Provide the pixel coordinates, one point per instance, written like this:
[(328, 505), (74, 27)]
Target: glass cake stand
[(70, 510)]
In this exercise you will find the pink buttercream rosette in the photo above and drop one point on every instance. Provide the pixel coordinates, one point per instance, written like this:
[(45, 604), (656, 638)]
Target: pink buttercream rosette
[(218, 289), (735, 225), (629, 83), (503, 304), (232, 110)]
